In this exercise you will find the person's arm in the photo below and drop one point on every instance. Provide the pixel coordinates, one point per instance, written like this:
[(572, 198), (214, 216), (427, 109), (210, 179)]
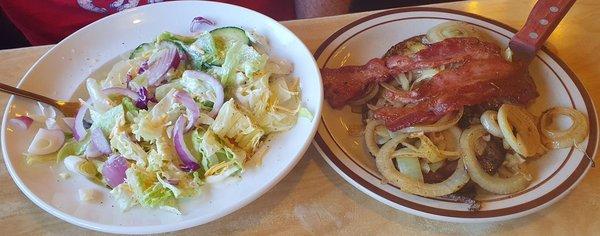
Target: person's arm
[(318, 8)]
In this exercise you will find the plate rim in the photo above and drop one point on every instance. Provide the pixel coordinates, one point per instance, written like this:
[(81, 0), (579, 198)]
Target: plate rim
[(159, 228), (345, 171)]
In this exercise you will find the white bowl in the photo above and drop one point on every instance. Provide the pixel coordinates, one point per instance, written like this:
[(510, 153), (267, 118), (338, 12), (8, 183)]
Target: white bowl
[(90, 51)]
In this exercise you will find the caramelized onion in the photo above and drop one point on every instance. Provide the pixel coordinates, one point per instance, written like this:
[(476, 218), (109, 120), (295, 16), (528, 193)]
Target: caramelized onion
[(494, 184), (524, 138), (370, 136), (489, 120), (576, 133), (386, 167), (444, 123)]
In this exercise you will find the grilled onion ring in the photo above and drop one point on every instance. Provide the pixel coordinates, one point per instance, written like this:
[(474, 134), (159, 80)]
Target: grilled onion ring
[(489, 120), (525, 140), (444, 123), (385, 165), (576, 133), (370, 136), (494, 184)]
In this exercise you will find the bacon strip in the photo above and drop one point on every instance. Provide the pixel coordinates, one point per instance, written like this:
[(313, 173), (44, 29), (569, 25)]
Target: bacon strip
[(345, 83), (473, 83), (348, 82), (450, 50), (476, 73)]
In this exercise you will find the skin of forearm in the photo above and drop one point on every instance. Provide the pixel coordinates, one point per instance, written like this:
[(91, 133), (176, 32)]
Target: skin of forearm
[(318, 8)]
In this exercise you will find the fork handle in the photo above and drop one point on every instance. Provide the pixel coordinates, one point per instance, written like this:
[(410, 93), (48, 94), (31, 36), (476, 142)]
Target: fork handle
[(26, 94), (543, 19)]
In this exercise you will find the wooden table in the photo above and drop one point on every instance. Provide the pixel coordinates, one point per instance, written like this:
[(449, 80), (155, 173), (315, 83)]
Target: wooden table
[(313, 199)]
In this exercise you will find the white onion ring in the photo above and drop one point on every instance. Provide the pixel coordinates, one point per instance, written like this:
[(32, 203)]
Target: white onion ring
[(79, 131), (575, 134), (488, 182), (489, 120), (46, 141), (386, 167), (527, 141), (372, 90), (444, 123), (216, 86)]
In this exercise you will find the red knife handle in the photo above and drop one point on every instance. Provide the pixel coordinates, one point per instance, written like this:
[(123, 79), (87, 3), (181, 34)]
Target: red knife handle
[(542, 20)]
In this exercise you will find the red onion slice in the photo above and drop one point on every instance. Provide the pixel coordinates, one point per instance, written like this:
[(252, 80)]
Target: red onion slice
[(192, 109), (198, 23), (100, 142), (92, 151), (114, 169), (145, 98), (121, 91), (79, 131), (21, 122), (216, 86), (189, 162), (162, 64)]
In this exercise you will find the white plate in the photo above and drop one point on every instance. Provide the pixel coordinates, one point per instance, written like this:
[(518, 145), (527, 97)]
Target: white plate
[(555, 174), (60, 72)]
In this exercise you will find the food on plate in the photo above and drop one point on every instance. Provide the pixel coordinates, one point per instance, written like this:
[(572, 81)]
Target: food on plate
[(446, 112), (180, 112)]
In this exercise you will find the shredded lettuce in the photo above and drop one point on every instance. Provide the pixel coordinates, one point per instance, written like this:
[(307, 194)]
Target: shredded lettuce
[(303, 112), (231, 123), (130, 150), (261, 98), (109, 120), (123, 196), (151, 125), (72, 148), (147, 189)]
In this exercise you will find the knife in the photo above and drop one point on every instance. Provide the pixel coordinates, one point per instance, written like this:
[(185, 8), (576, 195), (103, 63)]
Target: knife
[(542, 20)]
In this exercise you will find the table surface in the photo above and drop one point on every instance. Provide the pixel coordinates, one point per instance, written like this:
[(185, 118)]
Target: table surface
[(314, 199)]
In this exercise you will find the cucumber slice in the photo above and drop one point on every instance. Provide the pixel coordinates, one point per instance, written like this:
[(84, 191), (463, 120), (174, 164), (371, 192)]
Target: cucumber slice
[(141, 50), (226, 37), (229, 35)]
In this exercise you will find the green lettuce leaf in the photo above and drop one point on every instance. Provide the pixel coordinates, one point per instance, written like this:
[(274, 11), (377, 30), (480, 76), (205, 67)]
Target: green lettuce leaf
[(72, 148), (148, 191), (110, 119), (130, 150)]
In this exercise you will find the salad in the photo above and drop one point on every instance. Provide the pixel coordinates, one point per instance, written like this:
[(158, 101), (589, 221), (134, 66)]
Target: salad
[(180, 112)]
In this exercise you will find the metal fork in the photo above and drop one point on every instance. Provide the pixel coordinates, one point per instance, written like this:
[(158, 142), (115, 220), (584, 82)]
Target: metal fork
[(68, 109)]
